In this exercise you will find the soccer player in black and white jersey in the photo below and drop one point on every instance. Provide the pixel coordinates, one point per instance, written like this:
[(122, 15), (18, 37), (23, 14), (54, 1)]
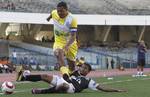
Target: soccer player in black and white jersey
[(73, 84), (81, 82)]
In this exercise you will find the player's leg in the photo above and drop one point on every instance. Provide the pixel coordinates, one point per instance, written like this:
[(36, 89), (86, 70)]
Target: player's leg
[(138, 70), (60, 89), (19, 70), (60, 58), (51, 79), (139, 67), (39, 77), (43, 91), (19, 74), (59, 53), (59, 86), (56, 81), (71, 57), (22, 70), (62, 86), (67, 70), (142, 66), (71, 65)]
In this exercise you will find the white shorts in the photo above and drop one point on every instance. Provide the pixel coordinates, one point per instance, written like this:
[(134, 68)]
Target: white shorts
[(58, 80)]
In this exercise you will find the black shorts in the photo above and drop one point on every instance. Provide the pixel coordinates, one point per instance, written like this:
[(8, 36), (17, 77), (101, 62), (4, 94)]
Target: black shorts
[(141, 62)]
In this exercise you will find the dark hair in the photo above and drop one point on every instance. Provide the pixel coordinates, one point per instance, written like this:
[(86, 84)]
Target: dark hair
[(62, 4), (89, 66)]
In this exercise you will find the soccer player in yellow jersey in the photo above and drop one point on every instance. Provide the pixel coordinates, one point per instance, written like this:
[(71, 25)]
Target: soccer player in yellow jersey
[(65, 29)]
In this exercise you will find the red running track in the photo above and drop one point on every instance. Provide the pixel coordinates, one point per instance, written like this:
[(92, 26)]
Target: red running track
[(96, 73)]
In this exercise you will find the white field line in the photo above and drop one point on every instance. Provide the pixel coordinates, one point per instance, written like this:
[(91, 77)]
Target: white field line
[(18, 91), (128, 80)]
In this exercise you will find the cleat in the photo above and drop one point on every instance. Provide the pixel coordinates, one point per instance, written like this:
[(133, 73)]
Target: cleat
[(19, 76), (144, 75), (36, 91)]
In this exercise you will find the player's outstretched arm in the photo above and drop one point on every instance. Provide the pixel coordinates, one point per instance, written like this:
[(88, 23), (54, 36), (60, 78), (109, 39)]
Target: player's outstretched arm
[(102, 88)]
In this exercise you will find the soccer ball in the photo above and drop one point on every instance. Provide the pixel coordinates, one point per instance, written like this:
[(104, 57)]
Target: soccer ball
[(7, 87)]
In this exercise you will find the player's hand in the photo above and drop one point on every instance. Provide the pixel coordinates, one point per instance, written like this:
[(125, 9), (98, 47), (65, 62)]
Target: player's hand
[(48, 19), (121, 91)]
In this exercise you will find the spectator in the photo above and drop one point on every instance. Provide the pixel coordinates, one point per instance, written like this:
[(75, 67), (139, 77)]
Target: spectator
[(141, 57), (14, 57), (107, 63), (1, 68), (6, 66), (112, 63), (13, 6), (43, 39), (31, 61), (26, 60)]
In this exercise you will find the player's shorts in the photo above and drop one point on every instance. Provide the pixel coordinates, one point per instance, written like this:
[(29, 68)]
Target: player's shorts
[(58, 80), (141, 62), (71, 53)]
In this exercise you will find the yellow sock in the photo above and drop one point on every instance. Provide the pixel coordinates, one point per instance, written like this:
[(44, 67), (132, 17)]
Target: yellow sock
[(20, 76), (70, 71), (64, 70)]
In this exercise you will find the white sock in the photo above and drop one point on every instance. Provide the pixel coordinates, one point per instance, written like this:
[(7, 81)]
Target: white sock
[(141, 73), (138, 73)]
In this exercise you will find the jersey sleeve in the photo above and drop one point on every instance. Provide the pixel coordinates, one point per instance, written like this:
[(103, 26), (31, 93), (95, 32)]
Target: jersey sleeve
[(73, 25), (53, 13), (92, 85)]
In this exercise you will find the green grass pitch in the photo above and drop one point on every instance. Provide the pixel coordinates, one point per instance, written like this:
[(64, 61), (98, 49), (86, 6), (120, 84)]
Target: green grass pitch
[(136, 87)]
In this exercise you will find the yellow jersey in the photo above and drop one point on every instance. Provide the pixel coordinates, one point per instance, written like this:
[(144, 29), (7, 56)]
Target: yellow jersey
[(63, 26)]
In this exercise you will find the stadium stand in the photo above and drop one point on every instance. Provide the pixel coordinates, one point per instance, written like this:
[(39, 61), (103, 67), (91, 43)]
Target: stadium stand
[(125, 7)]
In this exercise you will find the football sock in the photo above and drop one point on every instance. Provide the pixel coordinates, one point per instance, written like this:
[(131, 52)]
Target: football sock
[(33, 78), (64, 70), (141, 73), (49, 90), (138, 73)]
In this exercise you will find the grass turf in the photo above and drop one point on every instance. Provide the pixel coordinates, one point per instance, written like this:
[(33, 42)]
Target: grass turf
[(136, 87)]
